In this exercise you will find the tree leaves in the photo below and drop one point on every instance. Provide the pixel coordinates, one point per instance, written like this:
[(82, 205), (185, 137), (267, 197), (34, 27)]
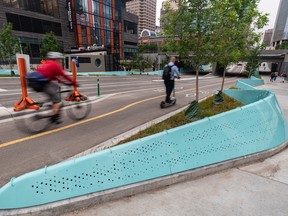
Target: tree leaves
[(213, 30), (9, 44), (49, 44)]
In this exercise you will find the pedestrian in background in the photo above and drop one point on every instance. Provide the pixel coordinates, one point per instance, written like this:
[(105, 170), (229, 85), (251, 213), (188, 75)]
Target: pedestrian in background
[(272, 75), (275, 76), (283, 75)]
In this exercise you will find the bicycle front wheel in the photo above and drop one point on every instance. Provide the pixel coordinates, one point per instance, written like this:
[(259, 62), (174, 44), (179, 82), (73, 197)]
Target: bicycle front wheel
[(78, 110)]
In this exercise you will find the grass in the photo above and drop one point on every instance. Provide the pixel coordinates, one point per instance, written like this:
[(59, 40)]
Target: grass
[(206, 109), (6, 75), (102, 75)]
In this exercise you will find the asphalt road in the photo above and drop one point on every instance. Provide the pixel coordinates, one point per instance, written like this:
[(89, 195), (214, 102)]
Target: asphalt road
[(129, 102), (236, 68)]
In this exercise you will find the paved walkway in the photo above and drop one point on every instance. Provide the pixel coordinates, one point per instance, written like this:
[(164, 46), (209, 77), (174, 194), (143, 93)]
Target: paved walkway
[(259, 189)]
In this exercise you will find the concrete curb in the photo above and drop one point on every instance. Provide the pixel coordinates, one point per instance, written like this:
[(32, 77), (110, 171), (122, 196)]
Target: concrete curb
[(4, 113), (78, 203)]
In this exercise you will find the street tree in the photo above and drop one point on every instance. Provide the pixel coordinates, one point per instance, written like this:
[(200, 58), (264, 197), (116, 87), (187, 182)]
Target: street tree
[(283, 45), (140, 62), (148, 48), (9, 45), (188, 30), (235, 34), (49, 43), (252, 59)]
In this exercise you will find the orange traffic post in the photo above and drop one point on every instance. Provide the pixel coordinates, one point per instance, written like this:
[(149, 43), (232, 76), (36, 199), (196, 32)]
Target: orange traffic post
[(75, 96), (25, 102)]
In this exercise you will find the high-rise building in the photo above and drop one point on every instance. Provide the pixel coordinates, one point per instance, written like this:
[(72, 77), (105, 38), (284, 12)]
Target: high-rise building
[(268, 37), (173, 6), (79, 24), (281, 25), (32, 19), (103, 23), (146, 11)]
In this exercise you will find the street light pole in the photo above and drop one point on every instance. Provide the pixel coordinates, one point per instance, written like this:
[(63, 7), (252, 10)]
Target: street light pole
[(21, 50), (117, 56)]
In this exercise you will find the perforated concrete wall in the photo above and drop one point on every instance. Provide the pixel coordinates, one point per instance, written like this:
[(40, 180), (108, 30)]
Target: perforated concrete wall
[(256, 127), (247, 96)]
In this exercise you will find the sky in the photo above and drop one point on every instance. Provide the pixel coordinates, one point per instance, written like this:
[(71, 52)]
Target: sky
[(265, 6)]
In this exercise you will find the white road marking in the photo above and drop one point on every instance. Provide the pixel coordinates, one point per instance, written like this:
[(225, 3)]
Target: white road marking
[(185, 79), (190, 95), (3, 90)]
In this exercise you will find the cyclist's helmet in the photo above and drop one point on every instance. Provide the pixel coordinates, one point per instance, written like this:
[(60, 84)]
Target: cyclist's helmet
[(55, 55)]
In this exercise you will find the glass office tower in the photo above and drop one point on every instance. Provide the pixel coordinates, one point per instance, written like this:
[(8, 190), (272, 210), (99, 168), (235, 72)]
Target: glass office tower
[(281, 24), (97, 22)]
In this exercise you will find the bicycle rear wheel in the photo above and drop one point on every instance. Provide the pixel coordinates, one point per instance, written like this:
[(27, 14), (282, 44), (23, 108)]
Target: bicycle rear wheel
[(78, 110)]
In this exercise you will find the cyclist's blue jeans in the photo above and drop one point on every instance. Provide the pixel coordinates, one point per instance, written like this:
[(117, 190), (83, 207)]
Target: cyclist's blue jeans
[(51, 89)]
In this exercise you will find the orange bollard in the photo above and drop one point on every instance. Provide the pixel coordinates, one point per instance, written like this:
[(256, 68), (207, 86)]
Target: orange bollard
[(75, 96), (25, 102)]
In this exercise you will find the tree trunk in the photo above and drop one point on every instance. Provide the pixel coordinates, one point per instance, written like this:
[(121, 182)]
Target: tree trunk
[(197, 67), (197, 83), (250, 74), (223, 80), (10, 64)]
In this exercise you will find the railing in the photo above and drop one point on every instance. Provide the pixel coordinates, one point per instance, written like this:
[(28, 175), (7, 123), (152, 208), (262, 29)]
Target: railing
[(258, 126)]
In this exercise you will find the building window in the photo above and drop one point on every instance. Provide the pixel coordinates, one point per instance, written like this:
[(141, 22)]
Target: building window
[(47, 7), (98, 63), (107, 12), (107, 24), (95, 5), (67, 63), (97, 21), (130, 43), (107, 37), (28, 24), (84, 36), (31, 46), (35, 50), (130, 27), (84, 60)]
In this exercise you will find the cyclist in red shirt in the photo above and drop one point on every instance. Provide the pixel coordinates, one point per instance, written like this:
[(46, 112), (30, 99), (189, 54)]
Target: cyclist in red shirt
[(41, 81)]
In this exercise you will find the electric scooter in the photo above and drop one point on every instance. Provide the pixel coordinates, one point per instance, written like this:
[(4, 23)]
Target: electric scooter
[(163, 104)]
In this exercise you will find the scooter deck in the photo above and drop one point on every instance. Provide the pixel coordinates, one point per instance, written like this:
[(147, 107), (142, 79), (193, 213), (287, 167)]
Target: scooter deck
[(163, 104)]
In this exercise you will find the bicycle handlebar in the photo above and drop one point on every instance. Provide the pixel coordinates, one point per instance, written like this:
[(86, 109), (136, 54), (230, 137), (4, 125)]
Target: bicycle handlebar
[(68, 84), (64, 91)]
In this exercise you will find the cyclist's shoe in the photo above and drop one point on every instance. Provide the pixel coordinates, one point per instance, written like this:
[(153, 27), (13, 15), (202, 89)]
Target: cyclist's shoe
[(56, 119)]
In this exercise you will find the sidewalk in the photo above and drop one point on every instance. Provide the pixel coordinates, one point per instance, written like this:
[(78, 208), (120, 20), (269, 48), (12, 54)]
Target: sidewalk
[(258, 190), (4, 112)]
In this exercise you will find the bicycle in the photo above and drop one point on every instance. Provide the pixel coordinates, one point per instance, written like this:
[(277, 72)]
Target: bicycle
[(40, 120)]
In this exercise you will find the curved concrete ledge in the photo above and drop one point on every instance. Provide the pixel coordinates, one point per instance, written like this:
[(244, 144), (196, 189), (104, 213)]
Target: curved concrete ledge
[(243, 135), (78, 203)]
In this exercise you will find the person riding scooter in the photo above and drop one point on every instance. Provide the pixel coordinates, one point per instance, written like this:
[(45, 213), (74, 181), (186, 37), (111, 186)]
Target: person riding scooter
[(170, 71)]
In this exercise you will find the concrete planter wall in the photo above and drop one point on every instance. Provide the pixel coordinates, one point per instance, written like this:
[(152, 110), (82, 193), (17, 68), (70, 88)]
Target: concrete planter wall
[(258, 126)]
